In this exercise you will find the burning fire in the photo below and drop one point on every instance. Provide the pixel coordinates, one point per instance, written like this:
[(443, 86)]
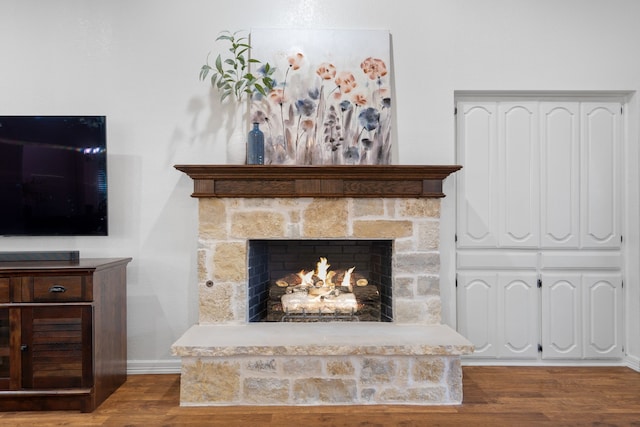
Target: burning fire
[(321, 291), (324, 276)]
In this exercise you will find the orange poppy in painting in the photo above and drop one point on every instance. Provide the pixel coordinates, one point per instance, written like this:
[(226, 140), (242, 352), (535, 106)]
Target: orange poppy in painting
[(346, 81), (359, 99), (374, 68), (276, 96), (326, 71), (295, 61)]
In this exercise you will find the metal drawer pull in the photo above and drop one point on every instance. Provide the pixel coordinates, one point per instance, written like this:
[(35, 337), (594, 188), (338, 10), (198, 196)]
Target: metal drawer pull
[(57, 289)]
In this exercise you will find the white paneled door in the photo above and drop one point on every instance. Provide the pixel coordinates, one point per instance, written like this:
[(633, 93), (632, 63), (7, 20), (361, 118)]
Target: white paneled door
[(599, 178), (559, 174), (538, 228), (478, 210), (518, 175)]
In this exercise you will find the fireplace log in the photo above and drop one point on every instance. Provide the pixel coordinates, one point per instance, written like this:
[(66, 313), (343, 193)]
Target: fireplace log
[(368, 303)]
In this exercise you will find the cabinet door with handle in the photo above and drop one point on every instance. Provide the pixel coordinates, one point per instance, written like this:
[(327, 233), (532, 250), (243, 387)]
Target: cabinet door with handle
[(56, 346)]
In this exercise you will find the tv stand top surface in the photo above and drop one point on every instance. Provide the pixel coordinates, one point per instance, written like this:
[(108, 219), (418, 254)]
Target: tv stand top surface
[(90, 264)]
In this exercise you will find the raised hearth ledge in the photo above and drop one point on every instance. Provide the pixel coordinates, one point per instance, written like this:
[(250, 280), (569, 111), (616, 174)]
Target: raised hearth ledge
[(367, 363), (318, 181), (320, 339)]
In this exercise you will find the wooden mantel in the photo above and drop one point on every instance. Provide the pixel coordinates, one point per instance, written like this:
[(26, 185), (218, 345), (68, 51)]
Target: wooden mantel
[(317, 181)]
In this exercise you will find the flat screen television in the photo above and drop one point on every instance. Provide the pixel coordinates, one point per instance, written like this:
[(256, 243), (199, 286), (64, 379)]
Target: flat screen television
[(53, 176)]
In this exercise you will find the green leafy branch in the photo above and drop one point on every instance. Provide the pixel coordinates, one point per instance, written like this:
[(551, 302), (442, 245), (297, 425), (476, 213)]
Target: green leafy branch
[(231, 75)]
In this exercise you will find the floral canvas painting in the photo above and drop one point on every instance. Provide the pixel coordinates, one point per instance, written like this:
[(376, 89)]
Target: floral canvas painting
[(331, 102)]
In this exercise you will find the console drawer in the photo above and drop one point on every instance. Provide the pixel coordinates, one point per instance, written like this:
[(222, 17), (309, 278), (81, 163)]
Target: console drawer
[(56, 289)]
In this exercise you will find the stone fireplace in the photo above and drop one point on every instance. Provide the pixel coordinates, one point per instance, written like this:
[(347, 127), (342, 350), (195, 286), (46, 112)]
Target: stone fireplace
[(232, 358)]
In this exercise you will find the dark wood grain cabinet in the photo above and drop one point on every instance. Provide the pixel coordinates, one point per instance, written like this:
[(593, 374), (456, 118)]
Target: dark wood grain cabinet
[(63, 343)]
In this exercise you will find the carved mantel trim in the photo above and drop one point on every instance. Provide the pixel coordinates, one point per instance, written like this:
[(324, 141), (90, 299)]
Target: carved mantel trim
[(317, 181)]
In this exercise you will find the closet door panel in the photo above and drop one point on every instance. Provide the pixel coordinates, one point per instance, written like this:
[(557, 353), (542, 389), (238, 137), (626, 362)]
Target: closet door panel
[(477, 216), (518, 156), (477, 310), (602, 304), (559, 175), (561, 316), (600, 198), (518, 319)]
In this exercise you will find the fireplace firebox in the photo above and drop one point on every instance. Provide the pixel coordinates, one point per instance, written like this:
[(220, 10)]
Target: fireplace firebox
[(320, 280)]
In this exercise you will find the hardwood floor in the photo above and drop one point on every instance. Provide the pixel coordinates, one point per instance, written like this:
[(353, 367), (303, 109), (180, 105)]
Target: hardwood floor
[(493, 396)]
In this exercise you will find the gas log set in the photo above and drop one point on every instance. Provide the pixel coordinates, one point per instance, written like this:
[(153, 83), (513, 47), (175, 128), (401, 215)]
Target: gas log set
[(323, 295)]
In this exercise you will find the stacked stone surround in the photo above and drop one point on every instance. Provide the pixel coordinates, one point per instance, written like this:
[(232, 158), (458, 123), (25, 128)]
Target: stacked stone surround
[(227, 224), (257, 368)]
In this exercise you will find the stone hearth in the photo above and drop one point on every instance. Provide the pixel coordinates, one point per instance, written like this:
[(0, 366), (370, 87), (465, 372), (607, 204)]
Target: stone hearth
[(228, 361)]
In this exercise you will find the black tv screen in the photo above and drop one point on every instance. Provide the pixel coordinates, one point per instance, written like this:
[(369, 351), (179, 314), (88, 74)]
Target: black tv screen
[(53, 176)]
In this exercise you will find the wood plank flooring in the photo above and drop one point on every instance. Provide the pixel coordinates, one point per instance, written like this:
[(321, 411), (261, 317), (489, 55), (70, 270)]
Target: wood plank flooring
[(493, 396)]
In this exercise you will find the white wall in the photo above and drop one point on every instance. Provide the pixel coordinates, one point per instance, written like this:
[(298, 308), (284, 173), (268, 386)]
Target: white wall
[(137, 61)]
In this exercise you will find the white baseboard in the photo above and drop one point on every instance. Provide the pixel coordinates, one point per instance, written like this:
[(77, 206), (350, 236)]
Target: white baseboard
[(545, 363), (173, 366), (633, 362), (139, 367)]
